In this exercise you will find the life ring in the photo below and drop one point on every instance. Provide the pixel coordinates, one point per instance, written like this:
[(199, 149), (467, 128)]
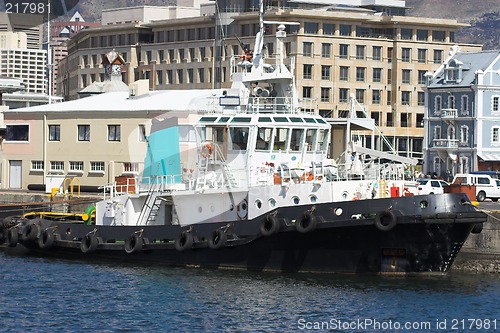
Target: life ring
[(385, 220), (242, 209), (12, 236), (206, 150), (46, 239), (306, 223), (270, 225), (29, 232), (133, 243), (89, 243), (217, 239), (184, 241)]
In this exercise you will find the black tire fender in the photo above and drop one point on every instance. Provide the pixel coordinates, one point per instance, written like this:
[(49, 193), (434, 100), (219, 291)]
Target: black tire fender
[(46, 239), (385, 220), (184, 241), (306, 223), (89, 243), (29, 232), (270, 225), (12, 236), (133, 243), (217, 239)]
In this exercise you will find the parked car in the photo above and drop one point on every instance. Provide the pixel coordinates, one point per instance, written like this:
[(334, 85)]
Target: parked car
[(486, 186), (431, 186)]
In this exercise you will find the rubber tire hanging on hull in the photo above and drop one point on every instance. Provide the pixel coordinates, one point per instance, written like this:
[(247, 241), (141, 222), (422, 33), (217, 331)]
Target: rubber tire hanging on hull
[(12, 237), (385, 220), (270, 225), (306, 223), (46, 239), (89, 243), (217, 239), (29, 232), (184, 241), (133, 243)]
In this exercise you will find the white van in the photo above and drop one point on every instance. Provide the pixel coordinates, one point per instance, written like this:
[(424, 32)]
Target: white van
[(486, 187)]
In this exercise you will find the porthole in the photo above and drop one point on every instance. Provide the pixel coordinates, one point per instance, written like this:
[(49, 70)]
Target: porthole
[(258, 204), (313, 198), (295, 200), (338, 211), (424, 204), (200, 209), (272, 202)]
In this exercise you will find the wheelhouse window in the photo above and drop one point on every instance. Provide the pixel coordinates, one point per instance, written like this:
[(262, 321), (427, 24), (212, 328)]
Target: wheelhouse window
[(280, 139), (142, 133), (17, 133), (311, 135), (239, 137), (296, 139), (113, 132), (83, 132), (322, 139), (264, 135)]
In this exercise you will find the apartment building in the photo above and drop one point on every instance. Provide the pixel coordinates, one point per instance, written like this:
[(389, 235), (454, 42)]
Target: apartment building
[(337, 50)]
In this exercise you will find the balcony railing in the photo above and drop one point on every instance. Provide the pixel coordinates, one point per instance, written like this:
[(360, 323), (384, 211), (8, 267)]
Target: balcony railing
[(445, 143), (448, 113)]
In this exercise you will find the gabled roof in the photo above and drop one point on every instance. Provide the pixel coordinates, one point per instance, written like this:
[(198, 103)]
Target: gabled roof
[(470, 62), (160, 100)]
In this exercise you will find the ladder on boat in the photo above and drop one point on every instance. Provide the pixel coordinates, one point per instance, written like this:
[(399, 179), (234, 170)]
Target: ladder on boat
[(215, 155), (151, 206)]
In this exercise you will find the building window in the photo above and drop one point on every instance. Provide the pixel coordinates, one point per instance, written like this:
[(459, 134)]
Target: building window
[(422, 56), (307, 72), (360, 52), (113, 132), (389, 98), (438, 36), (325, 94), (344, 73), (131, 168), (190, 75), (437, 132), (345, 30), (438, 105), (360, 96), (328, 29), (311, 28), (405, 77), (389, 54), (76, 166), (36, 166), (17, 133), (377, 75), (495, 104), (406, 34), (307, 49), (405, 97), (306, 92), (180, 76), (377, 53), (142, 133), (360, 74), (326, 50), (421, 77), (405, 55), (83, 132), (159, 77), (451, 102), (170, 76), (464, 134), (464, 105), (389, 76), (421, 98), (201, 75), (438, 56), (56, 166), (325, 72), (343, 95), (376, 117), (376, 97), (422, 35), (97, 167), (344, 51), (494, 135), (54, 133)]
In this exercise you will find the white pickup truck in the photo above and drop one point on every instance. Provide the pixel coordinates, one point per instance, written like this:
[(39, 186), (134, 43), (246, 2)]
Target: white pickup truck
[(486, 186)]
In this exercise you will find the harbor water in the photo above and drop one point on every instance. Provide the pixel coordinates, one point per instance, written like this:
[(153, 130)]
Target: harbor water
[(57, 295)]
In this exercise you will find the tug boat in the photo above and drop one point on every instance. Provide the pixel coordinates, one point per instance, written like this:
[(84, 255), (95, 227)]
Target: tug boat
[(248, 183)]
